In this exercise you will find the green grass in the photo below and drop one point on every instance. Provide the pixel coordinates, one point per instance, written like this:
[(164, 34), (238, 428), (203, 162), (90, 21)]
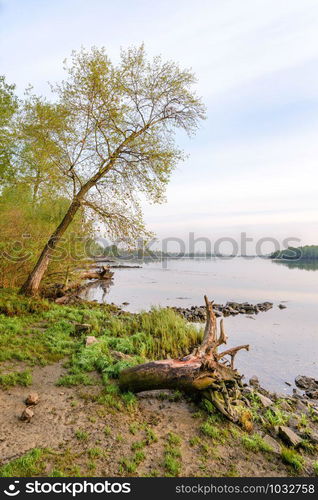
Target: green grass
[(172, 455), (316, 468), (28, 465), (209, 430), (81, 435), (95, 452), (23, 378), (131, 466), (275, 417), (76, 379), (255, 443), (292, 458)]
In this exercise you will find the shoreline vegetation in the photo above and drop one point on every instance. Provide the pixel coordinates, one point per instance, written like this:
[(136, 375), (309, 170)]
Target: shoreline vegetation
[(101, 430)]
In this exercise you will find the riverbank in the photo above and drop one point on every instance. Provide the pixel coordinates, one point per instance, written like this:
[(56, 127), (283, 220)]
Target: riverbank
[(101, 431)]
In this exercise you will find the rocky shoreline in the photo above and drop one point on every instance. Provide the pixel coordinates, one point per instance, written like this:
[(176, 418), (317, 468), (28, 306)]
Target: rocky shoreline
[(293, 417), (198, 313)]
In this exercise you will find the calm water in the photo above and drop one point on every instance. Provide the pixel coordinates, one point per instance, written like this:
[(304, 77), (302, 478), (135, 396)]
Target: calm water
[(283, 343)]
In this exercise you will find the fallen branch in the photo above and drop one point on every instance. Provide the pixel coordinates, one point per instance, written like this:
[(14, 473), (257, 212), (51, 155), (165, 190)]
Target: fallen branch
[(201, 372)]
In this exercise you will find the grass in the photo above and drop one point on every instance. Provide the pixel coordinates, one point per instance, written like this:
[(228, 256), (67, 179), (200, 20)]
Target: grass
[(131, 466), (28, 465), (23, 378), (172, 455), (209, 430), (95, 452), (292, 458), (274, 417), (255, 443), (76, 379), (315, 468), (81, 435)]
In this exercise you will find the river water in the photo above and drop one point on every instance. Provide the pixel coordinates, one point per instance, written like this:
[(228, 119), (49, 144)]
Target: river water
[(283, 343)]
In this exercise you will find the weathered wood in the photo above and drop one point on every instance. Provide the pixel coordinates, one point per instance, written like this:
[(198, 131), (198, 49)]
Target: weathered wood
[(103, 273), (204, 371)]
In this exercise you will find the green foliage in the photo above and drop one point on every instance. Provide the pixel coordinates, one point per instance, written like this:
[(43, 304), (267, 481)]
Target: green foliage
[(30, 464), (95, 452), (255, 443), (209, 430), (291, 457), (77, 379), (81, 435), (307, 252), (16, 378), (274, 417), (316, 468)]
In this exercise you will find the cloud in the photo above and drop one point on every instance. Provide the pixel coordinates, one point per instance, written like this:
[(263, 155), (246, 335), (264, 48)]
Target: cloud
[(254, 162)]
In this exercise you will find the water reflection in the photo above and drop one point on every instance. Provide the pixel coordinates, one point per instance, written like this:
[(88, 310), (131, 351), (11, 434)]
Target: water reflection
[(307, 265)]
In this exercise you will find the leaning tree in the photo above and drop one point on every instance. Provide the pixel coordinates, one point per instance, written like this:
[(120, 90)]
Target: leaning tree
[(108, 138)]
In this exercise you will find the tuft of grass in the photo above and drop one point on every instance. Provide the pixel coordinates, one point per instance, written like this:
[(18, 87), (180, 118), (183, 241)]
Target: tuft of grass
[(275, 417), (209, 430), (76, 379), (172, 465), (130, 466), (107, 430), (30, 464), (172, 455), (151, 436), (81, 435), (173, 439), (255, 443), (23, 378), (95, 452), (292, 458)]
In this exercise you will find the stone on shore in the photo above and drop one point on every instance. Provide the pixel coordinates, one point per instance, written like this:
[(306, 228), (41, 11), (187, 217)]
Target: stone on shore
[(254, 381), (265, 402), (289, 436), (275, 446), (32, 399), (90, 340)]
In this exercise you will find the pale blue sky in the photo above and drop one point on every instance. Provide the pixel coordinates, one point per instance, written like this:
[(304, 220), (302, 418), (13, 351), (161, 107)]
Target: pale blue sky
[(253, 165)]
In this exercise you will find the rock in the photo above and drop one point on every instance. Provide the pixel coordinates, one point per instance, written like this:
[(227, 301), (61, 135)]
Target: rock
[(26, 415), (275, 446), (285, 406), (313, 437), (281, 306), (120, 355), (312, 394), (125, 303), (308, 383), (254, 381), (247, 390), (289, 436), (32, 399), (90, 340), (265, 402), (293, 422)]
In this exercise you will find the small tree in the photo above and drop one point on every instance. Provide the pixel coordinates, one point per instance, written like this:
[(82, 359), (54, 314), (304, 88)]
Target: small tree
[(109, 137)]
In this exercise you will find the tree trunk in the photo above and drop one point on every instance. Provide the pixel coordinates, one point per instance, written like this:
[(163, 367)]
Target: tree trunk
[(31, 285), (203, 372)]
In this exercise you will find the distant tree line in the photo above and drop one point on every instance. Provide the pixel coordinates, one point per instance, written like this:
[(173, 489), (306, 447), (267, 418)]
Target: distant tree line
[(308, 252)]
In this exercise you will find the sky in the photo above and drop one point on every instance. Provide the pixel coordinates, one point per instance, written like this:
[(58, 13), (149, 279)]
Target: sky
[(252, 167)]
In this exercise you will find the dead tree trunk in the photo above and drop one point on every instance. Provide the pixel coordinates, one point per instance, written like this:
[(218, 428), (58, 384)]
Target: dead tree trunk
[(205, 371)]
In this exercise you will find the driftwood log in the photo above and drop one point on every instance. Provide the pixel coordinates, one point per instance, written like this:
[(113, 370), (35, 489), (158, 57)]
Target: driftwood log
[(103, 273), (205, 371)]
